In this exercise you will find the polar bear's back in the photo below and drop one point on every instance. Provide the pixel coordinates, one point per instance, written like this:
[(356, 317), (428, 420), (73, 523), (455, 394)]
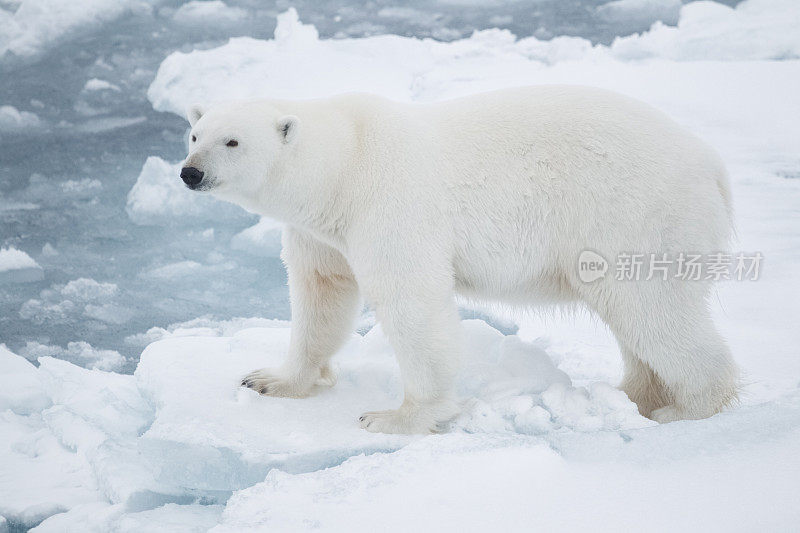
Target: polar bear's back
[(541, 173)]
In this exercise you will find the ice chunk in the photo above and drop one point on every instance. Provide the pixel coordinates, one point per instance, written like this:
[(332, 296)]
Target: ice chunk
[(159, 197), (101, 415), (87, 289), (11, 119), (41, 311), (86, 185), (262, 239), (183, 269), (297, 64), (226, 437), (208, 12), (21, 388), (80, 353), (60, 302), (204, 327), (640, 12), (39, 24), (13, 259), (48, 250), (16, 266), (284, 66), (170, 518), (754, 29), (39, 476), (96, 84)]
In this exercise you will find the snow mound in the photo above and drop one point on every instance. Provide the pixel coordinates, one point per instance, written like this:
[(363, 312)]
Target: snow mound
[(241, 435), (182, 428), (21, 388), (755, 29), (297, 64)]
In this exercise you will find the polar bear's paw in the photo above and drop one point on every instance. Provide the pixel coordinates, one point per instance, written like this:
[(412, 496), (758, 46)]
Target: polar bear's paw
[(277, 383), (423, 419), (663, 415)]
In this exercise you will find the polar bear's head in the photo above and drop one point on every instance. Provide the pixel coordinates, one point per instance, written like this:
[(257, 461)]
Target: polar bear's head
[(233, 149)]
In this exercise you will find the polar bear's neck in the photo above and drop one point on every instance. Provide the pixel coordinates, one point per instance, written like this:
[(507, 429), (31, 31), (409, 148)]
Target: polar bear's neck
[(319, 173)]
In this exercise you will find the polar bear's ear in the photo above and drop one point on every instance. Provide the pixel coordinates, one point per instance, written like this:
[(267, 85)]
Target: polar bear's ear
[(194, 113), (288, 127)]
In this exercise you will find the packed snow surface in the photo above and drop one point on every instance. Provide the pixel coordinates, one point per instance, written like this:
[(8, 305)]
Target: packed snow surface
[(100, 439)]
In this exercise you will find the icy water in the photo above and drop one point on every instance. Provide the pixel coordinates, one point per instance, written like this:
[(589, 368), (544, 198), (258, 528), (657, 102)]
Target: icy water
[(64, 179)]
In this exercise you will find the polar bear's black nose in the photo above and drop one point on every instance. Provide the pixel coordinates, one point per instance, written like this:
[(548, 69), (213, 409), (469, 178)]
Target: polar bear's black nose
[(191, 176)]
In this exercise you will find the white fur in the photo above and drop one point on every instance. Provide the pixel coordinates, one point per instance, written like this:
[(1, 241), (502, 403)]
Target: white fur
[(492, 196)]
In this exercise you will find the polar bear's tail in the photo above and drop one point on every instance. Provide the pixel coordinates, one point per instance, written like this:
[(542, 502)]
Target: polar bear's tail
[(724, 184)]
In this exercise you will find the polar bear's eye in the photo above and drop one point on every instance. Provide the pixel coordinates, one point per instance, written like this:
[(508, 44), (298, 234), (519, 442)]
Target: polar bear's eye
[(232, 143), (194, 138)]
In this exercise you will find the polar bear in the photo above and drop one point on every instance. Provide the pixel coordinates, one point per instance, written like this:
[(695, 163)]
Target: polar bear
[(492, 196)]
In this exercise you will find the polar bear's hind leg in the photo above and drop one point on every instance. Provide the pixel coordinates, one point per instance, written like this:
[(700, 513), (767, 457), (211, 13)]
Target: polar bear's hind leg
[(668, 328)]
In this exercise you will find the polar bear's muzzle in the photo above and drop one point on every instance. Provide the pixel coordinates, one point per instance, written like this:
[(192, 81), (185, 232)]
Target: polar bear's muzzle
[(192, 177)]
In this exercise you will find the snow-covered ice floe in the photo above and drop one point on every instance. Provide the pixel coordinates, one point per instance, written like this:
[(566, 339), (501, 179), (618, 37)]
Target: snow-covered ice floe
[(544, 440), (173, 442)]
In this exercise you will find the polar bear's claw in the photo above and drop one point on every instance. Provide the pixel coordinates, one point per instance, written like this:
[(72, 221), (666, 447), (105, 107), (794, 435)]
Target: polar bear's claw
[(271, 383), (394, 421), (410, 418)]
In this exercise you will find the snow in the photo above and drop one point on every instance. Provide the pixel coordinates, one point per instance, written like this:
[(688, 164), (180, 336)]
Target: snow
[(100, 518), (148, 443), (408, 69), (474, 483), (21, 389), (544, 440), (755, 29), (40, 477), (181, 429)]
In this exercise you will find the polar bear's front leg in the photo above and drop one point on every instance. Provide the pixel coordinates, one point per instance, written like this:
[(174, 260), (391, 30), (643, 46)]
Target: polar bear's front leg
[(420, 319), (324, 299)]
